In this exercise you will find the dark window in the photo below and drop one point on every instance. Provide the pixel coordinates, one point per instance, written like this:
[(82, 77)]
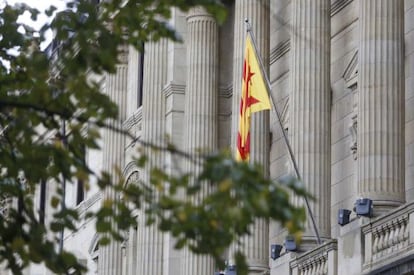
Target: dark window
[(80, 188), (140, 76), (80, 193)]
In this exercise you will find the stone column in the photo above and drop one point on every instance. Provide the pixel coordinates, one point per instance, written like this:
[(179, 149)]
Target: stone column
[(256, 247), (381, 103), (110, 257), (174, 93), (310, 112), (200, 109), (153, 130), (133, 80)]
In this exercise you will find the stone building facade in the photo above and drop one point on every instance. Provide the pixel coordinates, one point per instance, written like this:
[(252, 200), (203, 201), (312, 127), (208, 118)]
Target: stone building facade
[(342, 77)]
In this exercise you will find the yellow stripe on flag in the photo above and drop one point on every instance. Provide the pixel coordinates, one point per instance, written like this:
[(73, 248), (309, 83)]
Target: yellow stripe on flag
[(254, 98)]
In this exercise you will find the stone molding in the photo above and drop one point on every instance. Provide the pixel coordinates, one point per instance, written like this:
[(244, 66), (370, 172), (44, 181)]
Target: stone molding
[(226, 92), (338, 5), (280, 50), (350, 74), (134, 120), (132, 176), (129, 169), (88, 203), (94, 247), (173, 88), (284, 115), (171, 91), (199, 14), (353, 129)]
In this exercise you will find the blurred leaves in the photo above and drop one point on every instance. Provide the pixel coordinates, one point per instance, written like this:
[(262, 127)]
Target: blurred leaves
[(220, 205), (41, 90)]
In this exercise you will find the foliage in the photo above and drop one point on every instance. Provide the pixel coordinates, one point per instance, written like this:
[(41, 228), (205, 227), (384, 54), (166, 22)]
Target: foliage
[(200, 221), (38, 92)]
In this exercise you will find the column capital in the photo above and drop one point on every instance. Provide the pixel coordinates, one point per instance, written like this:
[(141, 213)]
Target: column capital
[(198, 13)]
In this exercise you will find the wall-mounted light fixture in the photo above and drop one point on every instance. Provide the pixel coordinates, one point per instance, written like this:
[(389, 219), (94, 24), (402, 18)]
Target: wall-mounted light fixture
[(275, 250), (364, 207), (343, 216), (290, 244)]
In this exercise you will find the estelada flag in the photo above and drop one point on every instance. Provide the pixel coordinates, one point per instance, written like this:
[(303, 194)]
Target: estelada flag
[(254, 98)]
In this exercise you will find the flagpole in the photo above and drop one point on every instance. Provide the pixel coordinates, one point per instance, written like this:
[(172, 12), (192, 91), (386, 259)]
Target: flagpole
[(292, 156)]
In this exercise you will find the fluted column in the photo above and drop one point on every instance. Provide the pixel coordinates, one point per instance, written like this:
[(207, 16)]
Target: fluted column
[(381, 105), (256, 246), (153, 131), (133, 80), (110, 257), (200, 108), (310, 102)]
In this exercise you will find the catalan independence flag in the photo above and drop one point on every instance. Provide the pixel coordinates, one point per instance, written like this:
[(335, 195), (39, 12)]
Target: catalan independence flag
[(254, 98)]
